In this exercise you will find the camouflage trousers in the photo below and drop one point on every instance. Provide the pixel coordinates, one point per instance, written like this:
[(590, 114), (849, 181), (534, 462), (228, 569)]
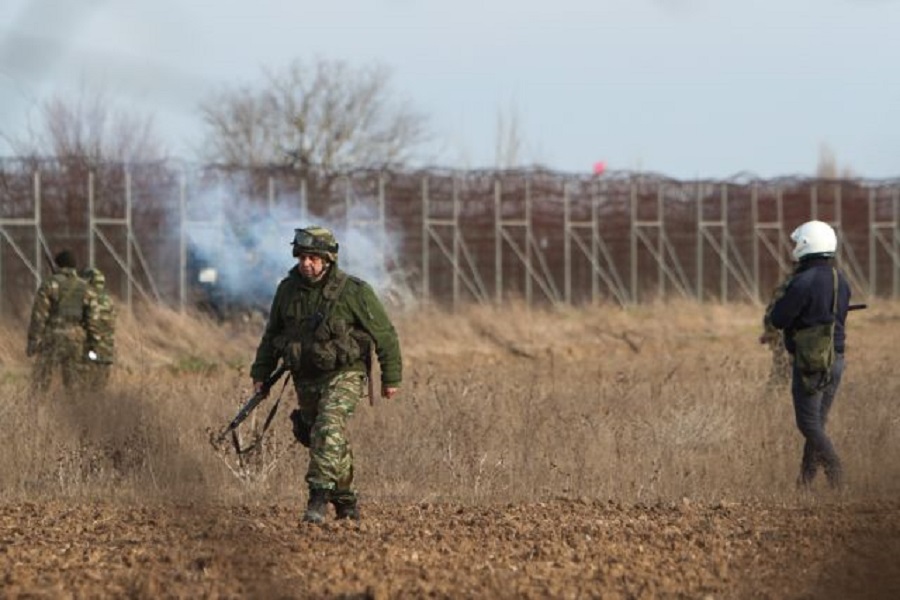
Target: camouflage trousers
[(60, 350), (95, 376), (327, 408)]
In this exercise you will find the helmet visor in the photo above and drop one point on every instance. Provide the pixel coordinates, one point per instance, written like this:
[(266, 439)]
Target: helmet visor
[(309, 241)]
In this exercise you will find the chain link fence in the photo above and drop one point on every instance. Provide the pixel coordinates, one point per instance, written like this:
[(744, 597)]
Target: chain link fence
[(439, 236)]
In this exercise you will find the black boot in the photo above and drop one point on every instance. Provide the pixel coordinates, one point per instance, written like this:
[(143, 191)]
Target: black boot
[(346, 507), (317, 506)]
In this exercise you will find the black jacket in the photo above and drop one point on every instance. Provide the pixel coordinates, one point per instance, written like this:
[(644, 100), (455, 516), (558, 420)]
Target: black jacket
[(808, 299)]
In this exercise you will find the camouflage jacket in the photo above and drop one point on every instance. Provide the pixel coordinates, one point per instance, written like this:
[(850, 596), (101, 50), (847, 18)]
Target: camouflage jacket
[(104, 327), (296, 316), (62, 302)]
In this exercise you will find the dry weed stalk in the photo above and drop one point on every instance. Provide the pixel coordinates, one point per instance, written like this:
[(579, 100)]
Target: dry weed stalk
[(250, 460), (250, 467), (579, 412)]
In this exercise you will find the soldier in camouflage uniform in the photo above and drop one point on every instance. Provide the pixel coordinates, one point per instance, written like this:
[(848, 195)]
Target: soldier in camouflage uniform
[(324, 324), (99, 364), (62, 325), (780, 372)]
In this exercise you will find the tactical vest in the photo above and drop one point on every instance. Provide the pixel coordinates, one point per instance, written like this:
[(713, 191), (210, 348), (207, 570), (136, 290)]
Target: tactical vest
[(302, 324), (69, 307), (318, 342)]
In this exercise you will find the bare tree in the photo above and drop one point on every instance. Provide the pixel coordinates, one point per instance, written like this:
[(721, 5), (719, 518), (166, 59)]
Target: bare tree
[(89, 130), (83, 146), (323, 115), (508, 143), (828, 168)]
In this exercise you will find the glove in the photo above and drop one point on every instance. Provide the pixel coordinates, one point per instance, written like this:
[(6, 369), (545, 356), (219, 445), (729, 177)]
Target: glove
[(33, 348)]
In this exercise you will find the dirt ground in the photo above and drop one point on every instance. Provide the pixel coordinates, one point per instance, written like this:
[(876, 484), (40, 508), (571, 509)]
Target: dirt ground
[(560, 549)]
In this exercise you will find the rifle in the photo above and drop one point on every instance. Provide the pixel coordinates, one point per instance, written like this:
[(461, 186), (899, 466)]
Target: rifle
[(49, 258), (857, 307), (248, 408)]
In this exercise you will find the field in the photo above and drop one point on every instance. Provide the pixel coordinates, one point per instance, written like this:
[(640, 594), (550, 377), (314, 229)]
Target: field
[(567, 453)]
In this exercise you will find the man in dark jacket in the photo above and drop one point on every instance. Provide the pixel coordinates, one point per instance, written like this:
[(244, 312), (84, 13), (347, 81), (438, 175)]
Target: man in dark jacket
[(816, 297), (325, 324)]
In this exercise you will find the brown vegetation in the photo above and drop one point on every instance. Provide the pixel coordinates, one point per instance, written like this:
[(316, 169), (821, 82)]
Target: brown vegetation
[(601, 451)]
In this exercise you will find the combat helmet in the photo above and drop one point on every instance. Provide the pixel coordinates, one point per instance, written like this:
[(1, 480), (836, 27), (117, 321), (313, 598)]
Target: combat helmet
[(315, 240)]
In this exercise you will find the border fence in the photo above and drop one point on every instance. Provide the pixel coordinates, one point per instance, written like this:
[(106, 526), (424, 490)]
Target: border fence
[(455, 237)]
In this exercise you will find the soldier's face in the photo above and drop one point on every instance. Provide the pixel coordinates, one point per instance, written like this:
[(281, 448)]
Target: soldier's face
[(312, 266)]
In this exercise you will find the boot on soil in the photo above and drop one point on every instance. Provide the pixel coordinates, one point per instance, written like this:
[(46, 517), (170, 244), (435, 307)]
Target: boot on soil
[(347, 510), (345, 506), (316, 507)]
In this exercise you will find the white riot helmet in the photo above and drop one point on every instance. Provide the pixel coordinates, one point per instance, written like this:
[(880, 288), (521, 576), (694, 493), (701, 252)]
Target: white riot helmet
[(814, 237)]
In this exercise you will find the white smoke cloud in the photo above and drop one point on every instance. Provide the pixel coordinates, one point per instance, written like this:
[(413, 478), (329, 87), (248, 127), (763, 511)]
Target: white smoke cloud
[(245, 246)]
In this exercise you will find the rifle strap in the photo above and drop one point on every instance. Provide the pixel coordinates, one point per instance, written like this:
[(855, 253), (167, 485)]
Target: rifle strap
[(332, 294), (268, 421), (834, 300), (834, 303)]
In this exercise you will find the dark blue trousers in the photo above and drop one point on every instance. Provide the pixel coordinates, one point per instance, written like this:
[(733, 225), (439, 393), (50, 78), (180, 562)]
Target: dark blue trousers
[(811, 411)]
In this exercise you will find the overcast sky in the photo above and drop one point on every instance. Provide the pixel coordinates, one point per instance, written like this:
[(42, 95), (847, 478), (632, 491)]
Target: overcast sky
[(686, 88)]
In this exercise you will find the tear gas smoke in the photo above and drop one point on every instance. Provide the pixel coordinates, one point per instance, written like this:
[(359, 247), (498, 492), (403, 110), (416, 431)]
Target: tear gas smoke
[(238, 250)]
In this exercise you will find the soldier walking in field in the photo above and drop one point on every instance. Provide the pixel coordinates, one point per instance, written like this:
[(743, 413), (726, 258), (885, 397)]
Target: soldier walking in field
[(63, 318), (325, 324), (101, 356), (812, 312)]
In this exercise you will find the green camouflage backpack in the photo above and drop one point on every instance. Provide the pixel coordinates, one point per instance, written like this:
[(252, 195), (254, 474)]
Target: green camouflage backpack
[(814, 349)]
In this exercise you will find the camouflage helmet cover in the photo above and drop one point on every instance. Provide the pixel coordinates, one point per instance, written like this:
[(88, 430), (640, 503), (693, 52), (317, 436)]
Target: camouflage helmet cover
[(315, 240)]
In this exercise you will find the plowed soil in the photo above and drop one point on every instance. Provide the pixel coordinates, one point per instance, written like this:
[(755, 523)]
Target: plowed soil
[(595, 454), (559, 549)]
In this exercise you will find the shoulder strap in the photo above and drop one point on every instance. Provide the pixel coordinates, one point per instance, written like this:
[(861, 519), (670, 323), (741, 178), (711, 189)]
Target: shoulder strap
[(332, 294), (834, 277), (334, 287), (834, 301)]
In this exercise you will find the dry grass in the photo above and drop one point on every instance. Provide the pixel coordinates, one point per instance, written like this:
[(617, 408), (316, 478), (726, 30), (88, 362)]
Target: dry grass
[(653, 403)]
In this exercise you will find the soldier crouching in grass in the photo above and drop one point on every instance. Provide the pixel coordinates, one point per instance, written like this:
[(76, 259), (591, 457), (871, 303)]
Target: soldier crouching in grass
[(324, 324), (62, 328)]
